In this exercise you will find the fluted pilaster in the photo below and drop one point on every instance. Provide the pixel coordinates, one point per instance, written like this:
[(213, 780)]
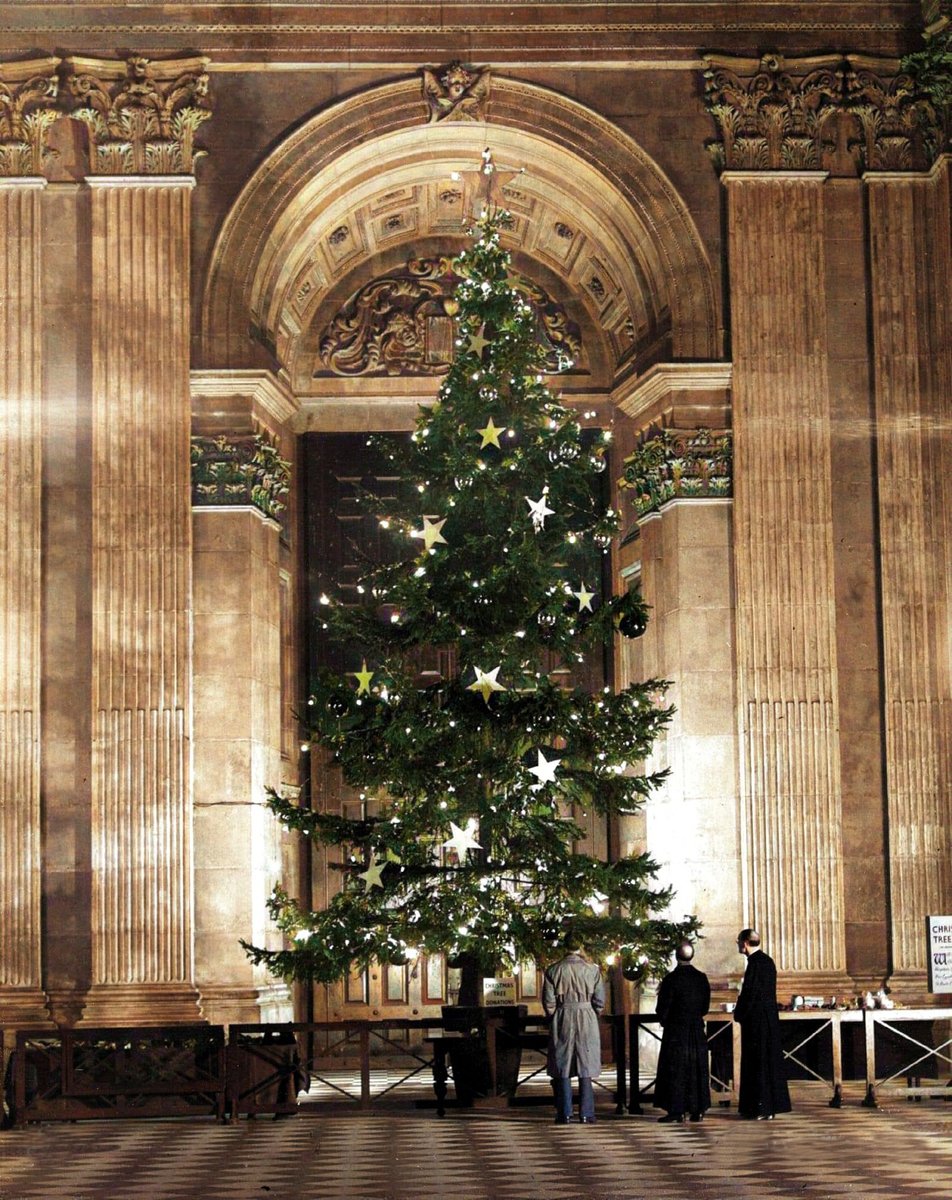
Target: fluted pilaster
[(142, 854), (20, 583), (911, 264), (783, 555)]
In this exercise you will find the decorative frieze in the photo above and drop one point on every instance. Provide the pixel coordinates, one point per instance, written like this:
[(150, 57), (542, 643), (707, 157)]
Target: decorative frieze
[(402, 324), (239, 470), (678, 463), (458, 94), (141, 115), (28, 92), (845, 114)]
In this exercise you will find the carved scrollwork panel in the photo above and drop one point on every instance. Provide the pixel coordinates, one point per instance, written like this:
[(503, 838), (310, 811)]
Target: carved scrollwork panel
[(401, 324)]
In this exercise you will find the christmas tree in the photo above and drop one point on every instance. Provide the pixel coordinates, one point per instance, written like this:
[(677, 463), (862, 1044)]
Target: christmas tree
[(474, 781)]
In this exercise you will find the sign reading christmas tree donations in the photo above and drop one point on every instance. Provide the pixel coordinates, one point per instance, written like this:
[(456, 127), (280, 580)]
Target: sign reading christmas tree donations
[(939, 953)]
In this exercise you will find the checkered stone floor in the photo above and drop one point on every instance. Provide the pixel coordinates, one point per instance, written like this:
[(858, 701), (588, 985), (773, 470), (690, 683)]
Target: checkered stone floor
[(398, 1152)]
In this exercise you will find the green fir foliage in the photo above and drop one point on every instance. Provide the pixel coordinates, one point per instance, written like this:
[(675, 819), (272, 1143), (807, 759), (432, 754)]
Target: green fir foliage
[(495, 754)]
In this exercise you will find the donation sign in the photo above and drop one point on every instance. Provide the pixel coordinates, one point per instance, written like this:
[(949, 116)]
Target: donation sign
[(499, 990), (939, 953)]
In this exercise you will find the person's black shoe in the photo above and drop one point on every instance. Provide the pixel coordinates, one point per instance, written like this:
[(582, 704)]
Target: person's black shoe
[(765, 1117), (695, 1117), (672, 1119), (563, 1120), (587, 1120)]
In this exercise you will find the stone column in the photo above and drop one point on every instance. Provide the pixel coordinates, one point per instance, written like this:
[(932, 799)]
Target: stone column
[(27, 88), (682, 560), (140, 119), (142, 969), (911, 265), (238, 690), (21, 304), (787, 684)]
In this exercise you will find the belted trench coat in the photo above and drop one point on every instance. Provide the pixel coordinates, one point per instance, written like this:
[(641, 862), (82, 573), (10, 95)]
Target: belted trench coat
[(573, 995)]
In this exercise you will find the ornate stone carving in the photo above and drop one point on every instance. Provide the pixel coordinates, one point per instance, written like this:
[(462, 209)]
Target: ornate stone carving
[(28, 92), (459, 94), (141, 115), (239, 470), (401, 324), (772, 115), (898, 126), (842, 113), (670, 463)]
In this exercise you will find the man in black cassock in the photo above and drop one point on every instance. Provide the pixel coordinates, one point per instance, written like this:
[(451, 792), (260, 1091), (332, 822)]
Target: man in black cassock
[(683, 1083), (763, 1081)]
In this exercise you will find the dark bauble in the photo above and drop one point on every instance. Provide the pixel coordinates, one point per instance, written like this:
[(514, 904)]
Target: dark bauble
[(632, 625)]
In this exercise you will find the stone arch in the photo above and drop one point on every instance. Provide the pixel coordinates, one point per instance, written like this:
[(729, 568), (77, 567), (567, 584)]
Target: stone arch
[(271, 267)]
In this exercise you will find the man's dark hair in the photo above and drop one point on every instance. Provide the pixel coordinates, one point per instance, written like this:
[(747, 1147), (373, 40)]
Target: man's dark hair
[(750, 936)]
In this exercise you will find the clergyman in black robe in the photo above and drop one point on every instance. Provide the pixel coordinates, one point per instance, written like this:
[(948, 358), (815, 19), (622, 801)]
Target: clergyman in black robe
[(763, 1081), (683, 1083)]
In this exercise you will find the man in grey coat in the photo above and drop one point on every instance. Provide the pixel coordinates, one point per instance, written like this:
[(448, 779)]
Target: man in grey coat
[(573, 995)]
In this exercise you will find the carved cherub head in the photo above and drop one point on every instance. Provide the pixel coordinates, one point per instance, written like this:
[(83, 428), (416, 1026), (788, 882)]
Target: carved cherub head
[(456, 80)]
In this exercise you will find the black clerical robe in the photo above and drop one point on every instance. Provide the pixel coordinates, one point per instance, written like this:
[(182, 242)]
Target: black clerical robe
[(763, 1081), (683, 1082)]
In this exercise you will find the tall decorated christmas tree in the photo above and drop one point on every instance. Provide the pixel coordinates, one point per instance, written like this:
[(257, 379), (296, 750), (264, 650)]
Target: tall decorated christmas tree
[(475, 780)]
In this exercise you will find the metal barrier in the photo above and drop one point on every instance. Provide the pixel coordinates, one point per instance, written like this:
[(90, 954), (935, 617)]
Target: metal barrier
[(77, 1074)]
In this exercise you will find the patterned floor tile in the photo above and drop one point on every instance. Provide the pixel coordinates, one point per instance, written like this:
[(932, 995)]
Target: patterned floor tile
[(397, 1153)]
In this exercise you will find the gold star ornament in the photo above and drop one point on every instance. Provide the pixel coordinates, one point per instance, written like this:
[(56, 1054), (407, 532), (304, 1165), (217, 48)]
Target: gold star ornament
[(486, 682), (363, 677), (490, 435), (584, 598), (372, 877), (431, 532)]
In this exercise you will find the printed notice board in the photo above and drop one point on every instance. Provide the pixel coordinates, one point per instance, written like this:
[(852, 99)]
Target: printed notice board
[(939, 953)]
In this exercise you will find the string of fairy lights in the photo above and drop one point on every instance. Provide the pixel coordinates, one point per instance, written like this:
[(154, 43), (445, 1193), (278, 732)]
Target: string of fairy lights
[(475, 783)]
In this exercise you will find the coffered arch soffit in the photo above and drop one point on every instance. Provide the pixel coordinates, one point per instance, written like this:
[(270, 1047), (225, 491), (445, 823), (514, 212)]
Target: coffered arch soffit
[(595, 220)]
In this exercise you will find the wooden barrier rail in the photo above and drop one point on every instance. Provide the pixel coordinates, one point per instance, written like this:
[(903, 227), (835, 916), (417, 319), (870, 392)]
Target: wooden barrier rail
[(76, 1074)]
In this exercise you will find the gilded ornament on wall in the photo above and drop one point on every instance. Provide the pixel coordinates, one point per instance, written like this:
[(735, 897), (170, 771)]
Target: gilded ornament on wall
[(402, 324), (141, 115), (458, 94), (28, 93)]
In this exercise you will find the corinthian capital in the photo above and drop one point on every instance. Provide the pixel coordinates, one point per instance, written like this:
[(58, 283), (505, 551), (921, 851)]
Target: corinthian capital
[(899, 127), (141, 115), (772, 113), (28, 92), (847, 114)]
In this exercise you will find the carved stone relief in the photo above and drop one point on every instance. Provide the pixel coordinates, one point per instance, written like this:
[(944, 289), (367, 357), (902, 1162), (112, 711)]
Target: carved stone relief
[(28, 92), (678, 463), (458, 94), (401, 324), (844, 114), (141, 115)]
